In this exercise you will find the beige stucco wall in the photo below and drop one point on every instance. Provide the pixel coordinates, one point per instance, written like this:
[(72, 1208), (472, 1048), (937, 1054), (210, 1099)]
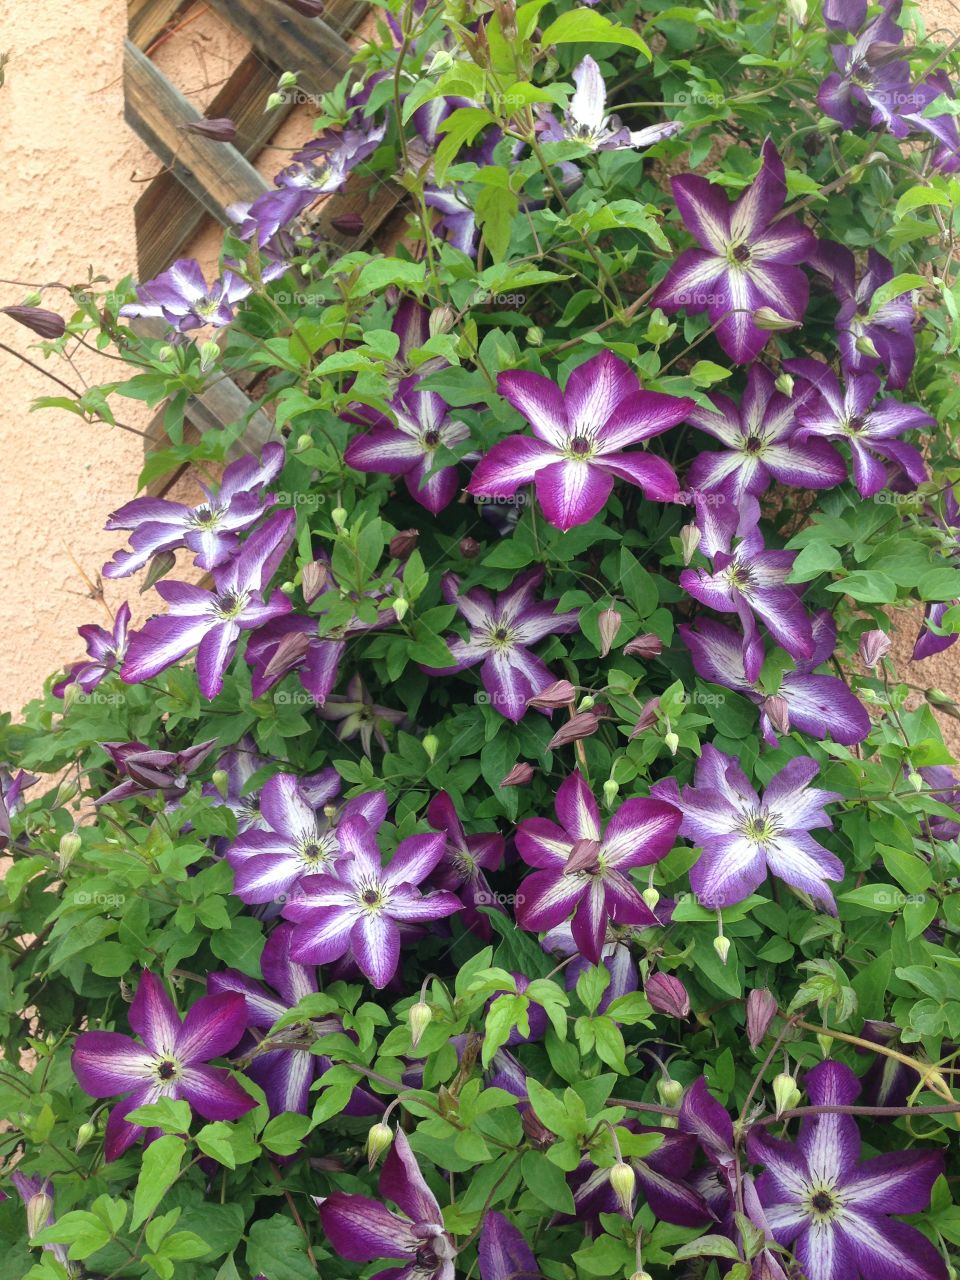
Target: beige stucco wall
[(66, 205)]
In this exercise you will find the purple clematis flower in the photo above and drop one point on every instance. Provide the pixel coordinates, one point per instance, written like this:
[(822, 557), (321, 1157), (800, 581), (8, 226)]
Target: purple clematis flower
[(816, 704), (760, 437), (705, 1119), (294, 840), (241, 763), (500, 632), (171, 1062), (363, 1230), (503, 1251), (928, 642), (12, 787), (580, 435), (106, 650), (744, 837), (148, 772), (285, 1074), (209, 530), (752, 582), (464, 861), (832, 1208), (408, 446), (946, 158), (181, 296), (889, 330), (586, 119), (615, 956), (582, 871), (869, 86), (363, 903), (213, 621), (357, 716), (661, 1180), (748, 257), (851, 415)]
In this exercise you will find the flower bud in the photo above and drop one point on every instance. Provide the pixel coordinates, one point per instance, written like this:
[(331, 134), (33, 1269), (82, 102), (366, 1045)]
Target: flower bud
[(69, 848), (559, 694), (784, 384), (641, 1275), (651, 897), (874, 646), (470, 548), (534, 336), (442, 319), (273, 101), (66, 791), (418, 1019), (379, 1141), (582, 725), (672, 741), (403, 543), (536, 1130), (288, 80), (288, 587), (611, 789), (915, 780), (159, 566), (314, 577), (44, 323), (401, 607), (221, 780), (786, 1095), (519, 776), (608, 624), (624, 1183), (220, 129), (84, 1134), (303, 443), (339, 517), (721, 946), (761, 1010), (646, 646), (772, 321), (866, 347), (348, 224), (430, 744), (667, 994), (777, 710), (825, 1043), (39, 1207), (648, 717), (669, 1091), (582, 856), (797, 9), (209, 355), (689, 541), (70, 694)]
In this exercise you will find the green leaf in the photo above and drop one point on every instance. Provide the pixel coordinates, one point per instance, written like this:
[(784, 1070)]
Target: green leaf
[(894, 289), (585, 26), (159, 1169), (547, 1182)]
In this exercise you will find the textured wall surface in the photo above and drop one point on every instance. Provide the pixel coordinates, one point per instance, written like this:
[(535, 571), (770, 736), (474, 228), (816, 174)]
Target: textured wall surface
[(66, 205)]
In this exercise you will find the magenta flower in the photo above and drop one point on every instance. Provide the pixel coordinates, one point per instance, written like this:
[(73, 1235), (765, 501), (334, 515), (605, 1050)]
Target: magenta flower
[(147, 771), (12, 787), (464, 861), (868, 86), (869, 428), (170, 1063), (744, 837), (293, 840), (181, 296), (361, 904), (209, 530), (615, 956), (363, 1230), (748, 257), (762, 445), (212, 621), (832, 1208), (582, 872), (579, 438), (503, 1251), (240, 763), (106, 650), (501, 632)]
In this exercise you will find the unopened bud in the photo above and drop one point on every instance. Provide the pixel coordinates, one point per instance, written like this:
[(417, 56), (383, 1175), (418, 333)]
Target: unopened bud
[(403, 543), (826, 1044), (586, 703), (648, 717), (608, 624), (772, 321), (689, 541), (84, 1134), (579, 726), (304, 443), (70, 694), (786, 1095), (470, 548), (220, 129), (519, 776), (275, 100), (611, 789), (221, 780), (667, 994), (418, 1019), (314, 577), (641, 1275), (288, 80), (721, 946), (69, 848), (646, 646), (379, 1141), (209, 355), (651, 897), (288, 587), (66, 791), (797, 9), (784, 384), (672, 741), (624, 1183), (442, 319), (430, 744), (165, 353), (915, 780), (534, 336), (348, 224), (866, 347), (39, 1207), (44, 323), (401, 607), (669, 1091), (778, 712), (339, 517), (761, 1010), (874, 646), (559, 694)]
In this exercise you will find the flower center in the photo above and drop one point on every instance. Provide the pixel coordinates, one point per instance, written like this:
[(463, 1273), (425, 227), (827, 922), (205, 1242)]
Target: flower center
[(372, 898), (739, 253), (206, 517), (167, 1070), (753, 444), (579, 446), (231, 604), (501, 637), (822, 1203), (314, 852), (760, 827), (855, 424), (432, 438)]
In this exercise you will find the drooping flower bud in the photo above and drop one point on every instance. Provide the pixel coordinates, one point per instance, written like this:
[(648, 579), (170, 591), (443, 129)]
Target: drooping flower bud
[(68, 849), (404, 543), (400, 607), (288, 80), (534, 336), (274, 100), (672, 741), (669, 1091), (418, 1019), (559, 694), (761, 1010), (784, 384), (39, 1207), (646, 646), (608, 624), (430, 744), (536, 1130), (159, 566), (348, 224), (826, 1044), (209, 355), (519, 776), (582, 725), (651, 897), (667, 994), (44, 323), (314, 577), (339, 517), (624, 1183), (721, 946), (937, 698), (220, 129), (778, 712), (379, 1142), (772, 321), (66, 791), (786, 1095), (611, 789), (689, 541), (470, 548), (70, 694), (84, 1134), (442, 319), (915, 780), (221, 780), (866, 347), (648, 717), (874, 646)]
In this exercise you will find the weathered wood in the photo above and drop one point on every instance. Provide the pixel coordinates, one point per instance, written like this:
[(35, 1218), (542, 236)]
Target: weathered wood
[(147, 20), (167, 216), (308, 46), (214, 172)]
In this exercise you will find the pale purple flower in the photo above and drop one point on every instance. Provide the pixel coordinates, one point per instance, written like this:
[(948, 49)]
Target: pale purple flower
[(816, 704), (212, 621), (241, 763), (357, 716), (579, 441), (501, 631), (293, 840), (503, 1251), (106, 650), (208, 530), (361, 904), (364, 1230), (170, 1063), (582, 871), (464, 861), (181, 296), (586, 118), (743, 836), (748, 257), (761, 445), (409, 446), (147, 771), (832, 1208), (457, 222), (869, 87)]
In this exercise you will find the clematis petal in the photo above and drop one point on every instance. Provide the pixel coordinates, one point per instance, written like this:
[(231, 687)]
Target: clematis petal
[(106, 1063), (384, 449), (830, 1142), (402, 1182), (641, 832), (882, 1249), (285, 1076), (213, 1026), (152, 1015), (324, 936), (120, 1133), (577, 808), (509, 464), (504, 1253), (728, 870), (571, 491), (541, 403), (375, 940), (705, 211), (824, 1253), (653, 474), (690, 283), (895, 1182), (822, 705), (214, 1093), (415, 858), (595, 392), (511, 678), (547, 898), (589, 101), (541, 843), (363, 1230), (285, 808), (293, 981)]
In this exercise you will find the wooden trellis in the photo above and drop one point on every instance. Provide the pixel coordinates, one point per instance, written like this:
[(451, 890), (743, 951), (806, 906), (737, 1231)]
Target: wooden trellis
[(202, 178)]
